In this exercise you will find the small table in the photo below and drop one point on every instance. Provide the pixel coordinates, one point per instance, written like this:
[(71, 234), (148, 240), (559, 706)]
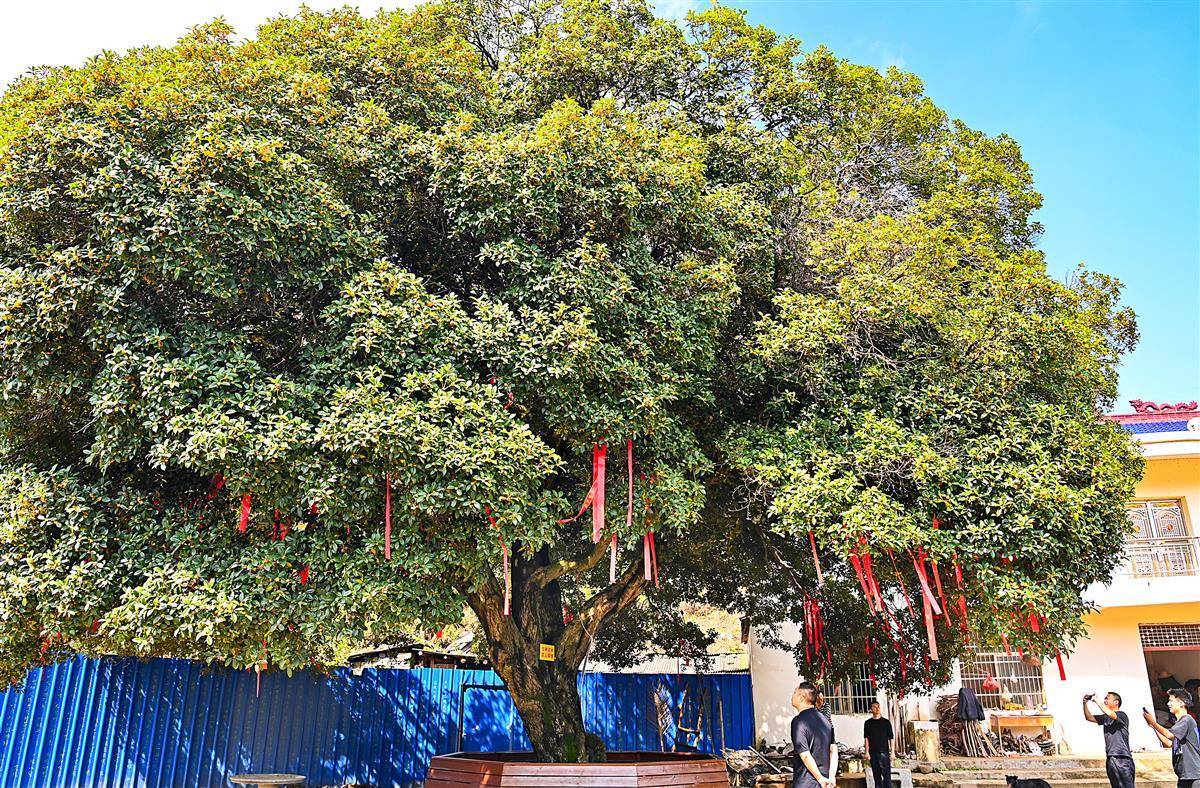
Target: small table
[(1001, 720), (267, 779)]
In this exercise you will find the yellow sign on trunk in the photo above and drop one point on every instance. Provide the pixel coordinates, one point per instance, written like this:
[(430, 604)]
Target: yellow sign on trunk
[(546, 652)]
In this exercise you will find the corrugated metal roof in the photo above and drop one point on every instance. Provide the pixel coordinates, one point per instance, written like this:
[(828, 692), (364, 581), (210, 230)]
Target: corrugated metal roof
[(123, 722), (1143, 427)]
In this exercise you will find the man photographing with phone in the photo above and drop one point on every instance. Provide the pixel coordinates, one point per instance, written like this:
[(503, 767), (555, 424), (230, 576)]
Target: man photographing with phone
[(1118, 760)]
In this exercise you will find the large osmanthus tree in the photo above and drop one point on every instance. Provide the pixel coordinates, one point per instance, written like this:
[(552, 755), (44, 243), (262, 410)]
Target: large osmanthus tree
[(254, 293)]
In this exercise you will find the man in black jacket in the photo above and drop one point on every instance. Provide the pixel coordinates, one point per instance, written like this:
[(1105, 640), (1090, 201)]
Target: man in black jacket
[(877, 735)]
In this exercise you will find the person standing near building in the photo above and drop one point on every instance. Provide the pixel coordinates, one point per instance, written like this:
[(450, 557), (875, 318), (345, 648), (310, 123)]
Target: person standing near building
[(1118, 760), (1182, 738), (877, 736), (814, 756)]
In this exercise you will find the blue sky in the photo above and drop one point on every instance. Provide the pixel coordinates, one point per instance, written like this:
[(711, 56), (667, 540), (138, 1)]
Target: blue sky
[(1104, 99)]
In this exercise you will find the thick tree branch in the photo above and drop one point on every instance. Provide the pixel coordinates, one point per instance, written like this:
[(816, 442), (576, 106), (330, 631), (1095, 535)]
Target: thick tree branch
[(546, 574), (576, 639)]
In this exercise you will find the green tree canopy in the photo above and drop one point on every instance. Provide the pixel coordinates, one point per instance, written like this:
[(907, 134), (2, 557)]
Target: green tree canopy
[(460, 247)]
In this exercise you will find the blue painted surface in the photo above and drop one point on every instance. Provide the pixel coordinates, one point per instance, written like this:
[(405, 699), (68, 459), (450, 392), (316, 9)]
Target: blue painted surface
[(123, 722), (1143, 427)]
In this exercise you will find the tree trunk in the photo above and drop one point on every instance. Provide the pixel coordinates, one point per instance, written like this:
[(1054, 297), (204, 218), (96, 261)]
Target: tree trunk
[(545, 691), (547, 698)]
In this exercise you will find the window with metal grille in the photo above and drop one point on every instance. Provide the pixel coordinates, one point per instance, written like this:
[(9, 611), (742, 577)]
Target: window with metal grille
[(1168, 636), (1016, 678), (850, 696), (1161, 546), (1157, 519)]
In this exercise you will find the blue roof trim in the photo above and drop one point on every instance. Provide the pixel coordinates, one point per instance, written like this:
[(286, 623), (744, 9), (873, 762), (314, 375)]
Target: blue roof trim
[(1142, 427)]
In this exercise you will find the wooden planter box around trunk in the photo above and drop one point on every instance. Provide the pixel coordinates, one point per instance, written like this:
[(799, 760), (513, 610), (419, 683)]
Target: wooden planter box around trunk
[(623, 770)]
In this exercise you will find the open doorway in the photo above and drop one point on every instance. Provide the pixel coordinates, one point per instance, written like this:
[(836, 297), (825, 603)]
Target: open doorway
[(1172, 653)]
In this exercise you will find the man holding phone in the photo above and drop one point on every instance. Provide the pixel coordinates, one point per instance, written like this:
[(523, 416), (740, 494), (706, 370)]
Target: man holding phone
[(1118, 760)]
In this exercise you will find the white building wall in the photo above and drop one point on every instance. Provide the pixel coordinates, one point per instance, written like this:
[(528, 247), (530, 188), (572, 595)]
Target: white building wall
[(1109, 659)]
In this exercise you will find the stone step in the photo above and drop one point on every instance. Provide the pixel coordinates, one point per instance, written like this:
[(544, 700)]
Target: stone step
[(1145, 760), (977, 775), (1055, 782)]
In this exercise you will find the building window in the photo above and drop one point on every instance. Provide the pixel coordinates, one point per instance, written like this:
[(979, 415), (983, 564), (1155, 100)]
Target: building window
[(850, 696), (1157, 519), (1018, 681), (1161, 546)]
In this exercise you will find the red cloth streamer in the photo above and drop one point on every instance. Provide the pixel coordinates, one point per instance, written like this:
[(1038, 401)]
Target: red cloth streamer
[(654, 557), (387, 517), (218, 481), (595, 494), (507, 570), (1062, 672), (869, 573), (856, 562), (900, 577), (244, 520), (304, 575), (927, 592), (815, 649), (929, 628), (812, 542), (612, 559), (937, 581), (599, 458), (962, 600), (1004, 640)]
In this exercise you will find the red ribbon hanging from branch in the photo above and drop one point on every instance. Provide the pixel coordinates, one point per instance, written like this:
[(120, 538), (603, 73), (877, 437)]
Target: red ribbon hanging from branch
[(504, 549), (1062, 671), (869, 572), (812, 543), (244, 519), (387, 517), (649, 550), (900, 577), (918, 561), (218, 481), (929, 628), (595, 494), (962, 599), (599, 458)]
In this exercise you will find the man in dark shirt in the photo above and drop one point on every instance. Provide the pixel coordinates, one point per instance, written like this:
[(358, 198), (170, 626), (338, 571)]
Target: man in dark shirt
[(814, 759), (1183, 738), (1118, 761), (877, 733)]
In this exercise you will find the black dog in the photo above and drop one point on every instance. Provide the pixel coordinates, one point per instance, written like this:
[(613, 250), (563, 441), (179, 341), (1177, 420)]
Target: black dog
[(1016, 782)]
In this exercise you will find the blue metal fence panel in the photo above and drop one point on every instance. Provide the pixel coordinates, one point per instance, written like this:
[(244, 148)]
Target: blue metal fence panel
[(108, 723)]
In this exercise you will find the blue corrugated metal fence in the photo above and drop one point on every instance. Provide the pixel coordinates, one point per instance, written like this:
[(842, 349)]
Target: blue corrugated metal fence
[(122, 722)]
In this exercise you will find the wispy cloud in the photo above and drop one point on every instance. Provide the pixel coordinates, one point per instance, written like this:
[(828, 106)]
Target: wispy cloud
[(885, 55), (675, 9)]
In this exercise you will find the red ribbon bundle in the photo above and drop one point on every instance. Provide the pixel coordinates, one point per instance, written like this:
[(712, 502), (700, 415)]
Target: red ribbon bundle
[(812, 542), (244, 520), (507, 570), (815, 650)]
